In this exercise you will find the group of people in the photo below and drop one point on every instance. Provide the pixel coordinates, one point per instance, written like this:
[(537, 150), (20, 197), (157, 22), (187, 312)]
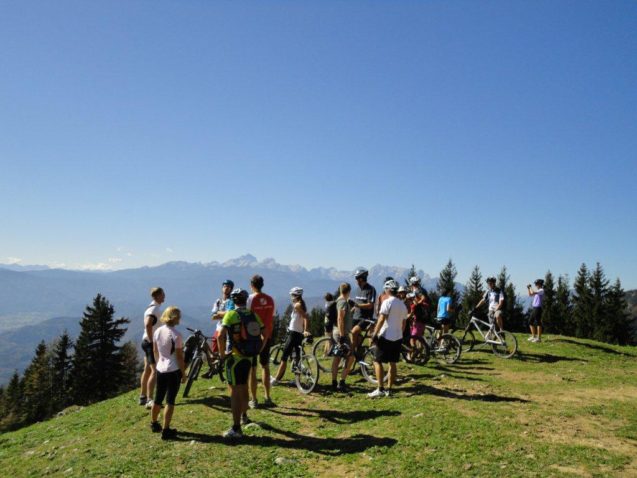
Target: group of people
[(243, 337)]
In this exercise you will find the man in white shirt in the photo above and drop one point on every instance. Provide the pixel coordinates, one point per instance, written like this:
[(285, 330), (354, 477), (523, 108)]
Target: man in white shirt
[(388, 337), (151, 316)]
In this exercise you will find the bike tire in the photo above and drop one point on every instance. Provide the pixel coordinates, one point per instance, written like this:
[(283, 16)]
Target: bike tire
[(193, 373), (508, 345), (275, 359), (367, 370), (322, 354), (420, 353), (307, 374), (451, 350), (467, 339)]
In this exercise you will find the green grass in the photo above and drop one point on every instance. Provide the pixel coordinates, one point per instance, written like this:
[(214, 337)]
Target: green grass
[(564, 407)]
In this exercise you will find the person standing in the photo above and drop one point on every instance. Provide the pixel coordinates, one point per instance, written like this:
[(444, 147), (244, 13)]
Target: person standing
[(535, 320), (495, 298), (219, 309), (263, 305), (240, 341), (445, 307), (364, 300), (341, 336), (168, 347), (151, 315), (388, 337)]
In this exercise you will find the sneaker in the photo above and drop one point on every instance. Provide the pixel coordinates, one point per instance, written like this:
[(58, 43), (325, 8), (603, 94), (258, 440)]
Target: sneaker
[(273, 382), (253, 403), (377, 393), (341, 387), (245, 419), (268, 402), (142, 399), (168, 433), (387, 392), (538, 340), (155, 427), (233, 434), (149, 404), (531, 338)]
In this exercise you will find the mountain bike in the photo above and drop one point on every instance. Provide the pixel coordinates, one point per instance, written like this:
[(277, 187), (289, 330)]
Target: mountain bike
[(305, 367), (445, 348), (196, 350), (502, 343)]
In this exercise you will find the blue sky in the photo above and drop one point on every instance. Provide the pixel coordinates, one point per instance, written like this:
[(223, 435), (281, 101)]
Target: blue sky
[(321, 133)]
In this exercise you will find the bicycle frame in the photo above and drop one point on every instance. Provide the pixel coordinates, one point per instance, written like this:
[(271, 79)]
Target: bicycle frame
[(491, 330)]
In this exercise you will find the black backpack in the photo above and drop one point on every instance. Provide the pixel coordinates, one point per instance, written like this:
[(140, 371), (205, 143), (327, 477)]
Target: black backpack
[(248, 341)]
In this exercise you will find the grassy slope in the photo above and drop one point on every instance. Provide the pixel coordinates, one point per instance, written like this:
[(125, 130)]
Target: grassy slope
[(564, 408)]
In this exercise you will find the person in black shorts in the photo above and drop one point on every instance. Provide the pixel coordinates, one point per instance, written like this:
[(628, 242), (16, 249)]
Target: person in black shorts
[(364, 302), (149, 374)]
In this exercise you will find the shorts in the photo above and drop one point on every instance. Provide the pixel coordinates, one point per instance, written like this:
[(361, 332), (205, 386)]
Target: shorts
[(292, 342), (443, 320), (362, 323), (329, 327), (535, 318), (238, 369), (417, 329), (387, 350), (167, 386), (264, 356), (493, 315), (214, 345), (147, 347)]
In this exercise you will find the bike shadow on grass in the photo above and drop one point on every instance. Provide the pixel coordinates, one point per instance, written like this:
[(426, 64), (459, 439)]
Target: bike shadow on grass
[(547, 358), (218, 402), (422, 389), (335, 416), (599, 347), (323, 446)]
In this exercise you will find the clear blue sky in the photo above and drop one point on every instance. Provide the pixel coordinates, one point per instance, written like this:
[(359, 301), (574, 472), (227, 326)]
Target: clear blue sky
[(321, 133)]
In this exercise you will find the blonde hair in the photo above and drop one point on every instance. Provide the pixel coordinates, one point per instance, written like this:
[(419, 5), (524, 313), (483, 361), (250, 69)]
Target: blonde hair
[(171, 316), (156, 292)]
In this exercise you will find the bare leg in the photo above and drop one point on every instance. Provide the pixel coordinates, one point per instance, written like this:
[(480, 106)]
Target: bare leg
[(236, 404), (347, 367), (335, 362), (152, 379), (380, 374), (145, 376), (265, 378), (392, 375), (533, 330), (154, 414), (253, 382), (281, 371), (168, 415), (539, 331)]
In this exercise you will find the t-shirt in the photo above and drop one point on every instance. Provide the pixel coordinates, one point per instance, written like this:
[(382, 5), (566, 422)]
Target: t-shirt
[(364, 295), (330, 312), (443, 302), (538, 298), (493, 296), (381, 298), (395, 311), (168, 340), (263, 305), (222, 305), (232, 322), (153, 311), (343, 304), (296, 321)]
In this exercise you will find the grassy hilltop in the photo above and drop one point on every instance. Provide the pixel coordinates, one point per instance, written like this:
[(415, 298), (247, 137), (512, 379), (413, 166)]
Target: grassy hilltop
[(564, 407)]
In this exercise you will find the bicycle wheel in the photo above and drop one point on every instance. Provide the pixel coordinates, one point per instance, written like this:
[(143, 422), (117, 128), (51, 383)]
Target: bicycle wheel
[(275, 359), (322, 351), (507, 344), (467, 339), (307, 374), (193, 372), (419, 353), (449, 349), (367, 367)]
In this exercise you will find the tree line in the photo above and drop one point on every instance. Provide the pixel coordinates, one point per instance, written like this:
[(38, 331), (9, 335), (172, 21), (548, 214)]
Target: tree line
[(64, 373)]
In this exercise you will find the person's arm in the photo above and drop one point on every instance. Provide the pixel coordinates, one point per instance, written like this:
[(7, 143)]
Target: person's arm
[(306, 321), (221, 341), (531, 291), (179, 352), (148, 325), (340, 322), (155, 351), (500, 301), (379, 325)]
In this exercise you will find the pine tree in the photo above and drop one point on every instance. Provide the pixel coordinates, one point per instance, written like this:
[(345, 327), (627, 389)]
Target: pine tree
[(14, 415), (472, 295), (599, 315), (617, 327), (3, 406), (562, 320), (37, 387), (60, 371), (98, 362), (582, 301), (447, 281), (549, 304), (132, 367)]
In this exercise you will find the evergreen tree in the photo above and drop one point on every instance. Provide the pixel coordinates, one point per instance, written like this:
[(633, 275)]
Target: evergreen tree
[(562, 320), (60, 372), (3, 407), (13, 400), (582, 301), (549, 304), (316, 319), (37, 387), (132, 367), (472, 295), (598, 313), (98, 362), (447, 281), (617, 326)]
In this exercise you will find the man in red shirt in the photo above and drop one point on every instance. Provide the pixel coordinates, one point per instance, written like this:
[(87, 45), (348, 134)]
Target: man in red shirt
[(263, 305)]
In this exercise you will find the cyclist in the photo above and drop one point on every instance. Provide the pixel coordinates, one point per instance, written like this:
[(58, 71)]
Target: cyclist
[(151, 315), (420, 294), (364, 300), (298, 328), (237, 364), (263, 305), (445, 308), (388, 336), (168, 347), (535, 321), (384, 295), (330, 319), (219, 309), (341, 335), (495, 297)]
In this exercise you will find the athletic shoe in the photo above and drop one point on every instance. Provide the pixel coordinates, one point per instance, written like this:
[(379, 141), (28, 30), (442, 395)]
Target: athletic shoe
[(168, 433), (268, 402), (538, 340), (273, 382), (245, 419), (232, 434), (253, 403), (387, 392), (142, 399), (341, 387), (377, 393), (155, 427), (531, 338), (149, 404)]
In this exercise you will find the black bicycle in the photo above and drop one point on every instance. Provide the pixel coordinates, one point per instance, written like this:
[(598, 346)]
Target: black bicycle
[(196, 350), (304, 370)]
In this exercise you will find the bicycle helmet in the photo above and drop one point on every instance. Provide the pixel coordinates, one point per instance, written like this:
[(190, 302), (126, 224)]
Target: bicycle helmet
[(391, 285), (229, 283), (414, 280), (402, 289), (239, 295), (361, 273), (296, 291), (491, 280)]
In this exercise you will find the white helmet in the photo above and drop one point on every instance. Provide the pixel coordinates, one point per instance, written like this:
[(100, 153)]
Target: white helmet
[(414, 280), (296, 291), (391, 285)]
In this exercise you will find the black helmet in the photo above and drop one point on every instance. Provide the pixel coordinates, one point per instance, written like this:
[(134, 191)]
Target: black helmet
[(239, 295), (491, 280), (539, 282), (361, 272)]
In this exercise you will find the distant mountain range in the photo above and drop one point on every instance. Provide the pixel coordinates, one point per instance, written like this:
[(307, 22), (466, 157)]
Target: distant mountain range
[(38, 303)]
